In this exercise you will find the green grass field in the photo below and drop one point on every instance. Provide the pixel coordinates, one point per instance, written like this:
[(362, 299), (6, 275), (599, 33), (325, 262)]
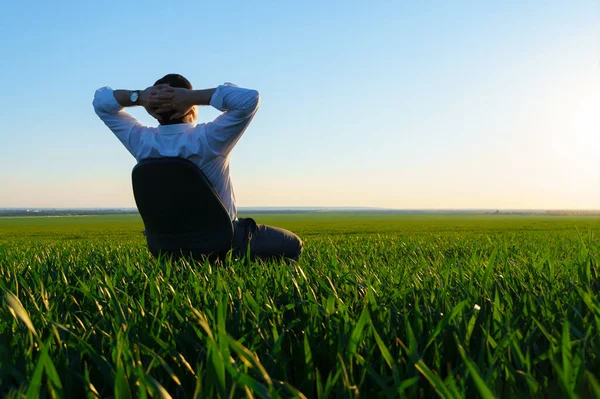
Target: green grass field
[(378, 306)]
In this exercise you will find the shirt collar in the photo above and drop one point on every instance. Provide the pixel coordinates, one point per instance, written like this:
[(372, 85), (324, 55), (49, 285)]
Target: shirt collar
[(176, 128)]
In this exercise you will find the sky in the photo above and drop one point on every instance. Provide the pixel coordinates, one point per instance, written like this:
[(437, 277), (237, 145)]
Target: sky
[(393, 104)]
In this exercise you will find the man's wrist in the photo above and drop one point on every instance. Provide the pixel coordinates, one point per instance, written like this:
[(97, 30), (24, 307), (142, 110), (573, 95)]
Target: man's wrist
[(201, 97), (123, 97), (143, 97)]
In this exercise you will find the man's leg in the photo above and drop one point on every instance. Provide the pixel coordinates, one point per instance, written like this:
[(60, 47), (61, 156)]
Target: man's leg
[(266, 242)]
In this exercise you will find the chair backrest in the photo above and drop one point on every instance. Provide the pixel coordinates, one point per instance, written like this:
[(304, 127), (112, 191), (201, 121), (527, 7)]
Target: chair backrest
[(182, 212)]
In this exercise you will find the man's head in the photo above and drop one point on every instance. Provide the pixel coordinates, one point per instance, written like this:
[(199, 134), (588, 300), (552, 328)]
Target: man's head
[(176, 80)]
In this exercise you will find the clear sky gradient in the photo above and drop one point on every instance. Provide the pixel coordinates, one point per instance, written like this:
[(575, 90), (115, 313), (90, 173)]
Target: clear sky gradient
[(445, 104)]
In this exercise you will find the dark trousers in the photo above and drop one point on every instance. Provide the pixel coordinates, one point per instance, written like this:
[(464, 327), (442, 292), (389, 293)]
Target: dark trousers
[(266, 242)]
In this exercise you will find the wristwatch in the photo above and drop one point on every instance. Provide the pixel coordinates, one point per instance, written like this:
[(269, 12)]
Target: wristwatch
[(134, 96)]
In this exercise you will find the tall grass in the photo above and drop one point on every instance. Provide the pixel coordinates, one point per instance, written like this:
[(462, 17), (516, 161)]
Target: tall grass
[(450, 309)]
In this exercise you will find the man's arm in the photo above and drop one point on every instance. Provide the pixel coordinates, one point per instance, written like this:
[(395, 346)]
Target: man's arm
[(147, 98), (238, 105), (109, 104), (181, 100), (123, 97)]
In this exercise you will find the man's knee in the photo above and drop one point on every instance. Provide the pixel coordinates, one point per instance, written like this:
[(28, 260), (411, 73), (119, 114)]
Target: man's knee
[(295, 248), (274, 242)]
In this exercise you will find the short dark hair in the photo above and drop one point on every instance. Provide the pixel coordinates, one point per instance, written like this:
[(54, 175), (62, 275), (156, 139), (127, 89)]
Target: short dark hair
[(173, 80)]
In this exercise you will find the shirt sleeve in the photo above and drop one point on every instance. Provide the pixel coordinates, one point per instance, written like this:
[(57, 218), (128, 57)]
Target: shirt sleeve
[(239, 107), (127, 129)]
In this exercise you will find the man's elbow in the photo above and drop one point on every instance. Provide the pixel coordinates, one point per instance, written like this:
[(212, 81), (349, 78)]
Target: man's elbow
[(101, 101), (97, 103), (254, 101)]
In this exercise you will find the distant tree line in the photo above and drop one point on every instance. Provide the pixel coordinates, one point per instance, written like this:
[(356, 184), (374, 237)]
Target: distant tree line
[(548, 213)]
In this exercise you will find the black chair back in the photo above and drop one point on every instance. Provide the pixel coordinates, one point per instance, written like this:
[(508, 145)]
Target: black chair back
[(182, 213)]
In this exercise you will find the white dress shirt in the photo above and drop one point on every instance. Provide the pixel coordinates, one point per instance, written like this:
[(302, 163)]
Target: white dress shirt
[(206, 144)]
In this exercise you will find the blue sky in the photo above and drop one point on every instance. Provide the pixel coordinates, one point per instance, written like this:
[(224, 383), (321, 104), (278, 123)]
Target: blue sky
[(459, 104)]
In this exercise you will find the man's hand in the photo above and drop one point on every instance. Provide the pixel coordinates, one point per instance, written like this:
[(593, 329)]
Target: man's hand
[(177, 99), (155, 97)]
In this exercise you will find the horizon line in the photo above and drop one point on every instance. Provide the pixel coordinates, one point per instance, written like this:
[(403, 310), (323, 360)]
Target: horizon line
[(317, 208)]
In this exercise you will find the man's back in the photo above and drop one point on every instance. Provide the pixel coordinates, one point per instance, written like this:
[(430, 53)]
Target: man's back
[(208, 145)]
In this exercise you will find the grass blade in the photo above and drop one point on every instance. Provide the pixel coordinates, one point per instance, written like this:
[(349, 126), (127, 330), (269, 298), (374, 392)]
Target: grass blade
[(483, 389)]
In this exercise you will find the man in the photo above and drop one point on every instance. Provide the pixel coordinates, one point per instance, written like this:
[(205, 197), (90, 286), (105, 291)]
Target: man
[(173, 102)]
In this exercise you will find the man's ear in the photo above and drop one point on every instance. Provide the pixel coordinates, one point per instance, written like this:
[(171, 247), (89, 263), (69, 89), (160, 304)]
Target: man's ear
[(193, 114)]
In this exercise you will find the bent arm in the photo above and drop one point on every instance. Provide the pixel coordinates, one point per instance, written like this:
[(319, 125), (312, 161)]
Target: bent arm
[(239, 106), (108, 105), (123, 97), (201, 97)]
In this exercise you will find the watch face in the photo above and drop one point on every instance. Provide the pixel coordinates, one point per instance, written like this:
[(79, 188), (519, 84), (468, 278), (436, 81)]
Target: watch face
[(134, 97)]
